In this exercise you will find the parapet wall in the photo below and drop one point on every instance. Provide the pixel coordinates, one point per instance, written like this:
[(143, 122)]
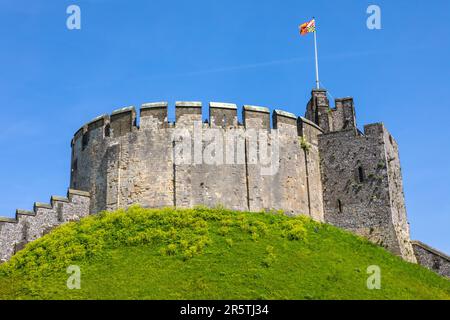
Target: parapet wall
[(259, 167), (432, 258), (341, 117), (31, 225)]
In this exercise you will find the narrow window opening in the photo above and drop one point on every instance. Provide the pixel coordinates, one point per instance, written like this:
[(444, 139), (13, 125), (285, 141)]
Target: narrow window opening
[(85, 140), (75, 166), (346, 123), (74, 174), (361, 176), (107, 130), (339, 205)]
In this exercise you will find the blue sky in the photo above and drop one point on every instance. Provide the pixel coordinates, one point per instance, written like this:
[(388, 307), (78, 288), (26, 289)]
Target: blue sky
[(53, 80)]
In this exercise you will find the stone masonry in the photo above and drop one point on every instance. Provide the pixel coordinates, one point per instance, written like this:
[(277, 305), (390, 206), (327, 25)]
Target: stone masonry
[(319, 165), (31, 225), (432, 258), (120, 163)]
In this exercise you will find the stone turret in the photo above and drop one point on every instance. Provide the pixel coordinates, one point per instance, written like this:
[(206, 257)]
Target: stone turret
[(362, 186), (318, 109)]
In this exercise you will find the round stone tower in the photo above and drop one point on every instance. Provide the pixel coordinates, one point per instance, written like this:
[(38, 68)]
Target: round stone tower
[(155, 163)]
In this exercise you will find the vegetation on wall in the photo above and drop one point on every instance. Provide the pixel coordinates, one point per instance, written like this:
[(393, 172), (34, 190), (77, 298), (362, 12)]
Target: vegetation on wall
[(304, 144)]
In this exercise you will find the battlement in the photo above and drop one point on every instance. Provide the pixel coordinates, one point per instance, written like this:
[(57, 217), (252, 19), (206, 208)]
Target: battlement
[(341, 117), (154, 116), (223, 115), (122, 121), (121, 160), (282, 118), (27, 225), (256, 117), (374, 130)]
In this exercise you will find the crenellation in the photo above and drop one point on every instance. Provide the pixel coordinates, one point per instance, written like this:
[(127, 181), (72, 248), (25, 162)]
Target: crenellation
[(154, 105), (187, 112), (343, 115), (349, 113), (38, 205), (188, 104), (31, 225), (97, 122), (91, 130), (54, 199), (256, 117), (122, 121), (24, 212), (153, 116), (223, 115), (20, 212), (283, 119), (318, 109), (73, 192), (78, 135)]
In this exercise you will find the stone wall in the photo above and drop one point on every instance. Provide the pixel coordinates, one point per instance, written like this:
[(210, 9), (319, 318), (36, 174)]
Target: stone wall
[(432, 258), (202, 174), (396, 195), (258, 168), (310, 132), (362, 187), (31, 225)]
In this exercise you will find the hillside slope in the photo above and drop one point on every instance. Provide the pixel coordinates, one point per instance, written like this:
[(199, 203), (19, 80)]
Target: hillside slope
[(209, 254)]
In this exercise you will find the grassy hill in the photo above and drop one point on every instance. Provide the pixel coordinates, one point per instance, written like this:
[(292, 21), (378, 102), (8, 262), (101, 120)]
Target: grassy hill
[(209, 254)]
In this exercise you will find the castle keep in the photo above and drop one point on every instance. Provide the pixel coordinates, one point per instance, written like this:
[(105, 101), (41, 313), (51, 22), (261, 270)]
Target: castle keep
[(319, 165)]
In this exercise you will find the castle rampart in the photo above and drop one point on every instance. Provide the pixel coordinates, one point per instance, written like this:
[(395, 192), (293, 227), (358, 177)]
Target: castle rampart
[(432, 258), (31, 225)]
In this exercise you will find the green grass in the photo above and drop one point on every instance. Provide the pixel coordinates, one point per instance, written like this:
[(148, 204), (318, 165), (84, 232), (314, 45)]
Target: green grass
[(209, 254)]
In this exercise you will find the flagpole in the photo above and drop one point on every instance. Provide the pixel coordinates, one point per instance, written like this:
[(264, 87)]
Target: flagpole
[(317, 62)]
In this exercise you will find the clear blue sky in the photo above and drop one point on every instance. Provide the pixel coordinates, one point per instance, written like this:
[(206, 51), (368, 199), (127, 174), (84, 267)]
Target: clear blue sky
[(53, 80)]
